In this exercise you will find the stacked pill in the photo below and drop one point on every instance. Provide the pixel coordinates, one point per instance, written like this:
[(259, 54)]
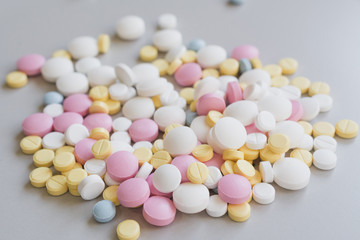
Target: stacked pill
[(127, 134)]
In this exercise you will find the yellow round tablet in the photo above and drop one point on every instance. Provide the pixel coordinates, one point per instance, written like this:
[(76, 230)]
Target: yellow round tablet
[(279, 81), (319, 88), (255, 63), (157, 101), (143, 155), (174, 65), (267, 155), (188, 94), (239, 212), (128, 230), (44, 158), (189, 56), (30, 144), (104, 42), (170, 127), (160, 158), (56, 185), (288, 65), (99, 133), (308, 129), (279, 143), (347, 128), (302, 154), (61, 53), (203, 152), (110, 194), (99, 107), (102, 149), (229, 67), (323, 128), (162, 65), (75, 176), (99, 93), (39, 176), (249, 154), (77, 165), (16, 79), (244, 168), (192, 106), (62, 149), (148, 53), (227, 167), (273, 69), (212, 72), (212, 117), (64, 161), (197, 172), (158, 145), (232, 155), (301, 83), (114, 106), (255, 179)]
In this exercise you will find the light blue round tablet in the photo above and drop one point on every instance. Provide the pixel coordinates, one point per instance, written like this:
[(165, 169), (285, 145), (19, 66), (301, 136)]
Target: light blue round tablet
[(53, 97), (245, 65), (196, 44), (190, 117), (104, 211)]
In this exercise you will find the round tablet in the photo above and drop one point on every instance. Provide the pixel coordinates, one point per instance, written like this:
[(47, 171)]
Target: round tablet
[(151, 88), (346, 128), (211, 56), (133, 192), (166, 178), (82, 47), (143, 130), (130, 27), (65, 120), (187, 74), (64, 161), (229, 133), (53, 97), (110, 194), (87, 64), (311, 108), (144, 171), (245, 111), (95, 166), (104, 211), (323, 128), (279, 106), (83, 151), (325, 142), (55, 68), (208, 102), (167, 39), (75, 133), (128, 230), (31, 64), (256, 141), (98, 120), (191, 198), (38, 124), (216, 207), (182, 163), (91, 187), (324, 159), (122, 165), (159, 211), (39, 176), (56, 185), (239, 212), (259, 76), (53, 140), (263, 193), (234, 189), (292, 130), (307, 142), (213, 178), (153, 190), (30, 144), (266, 172), (265, 121), (103, 75), (325, 102), (245, 51), (167, 20), (138, 107), (164, 116), (54, 109), (78, 103), (304, 155), (181, 140), (121, 124), (72, 83)]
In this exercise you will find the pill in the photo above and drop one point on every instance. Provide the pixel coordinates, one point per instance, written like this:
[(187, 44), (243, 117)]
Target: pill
[(203, 152), (121, 124), (197, 172), (267, 155), (227, 167), (297, 111), (191, 198), (111, 182), (104, 211), (244, 168), (143, 130), (307, 143), (279, 143), (323, 128), (234, 189), (133, 111), (249, 154), (255, 63), (347, 128), (166, 178), (266, 171), (38, 124), (263, 193), (133, 192), (307, 127), (292, 130), (30, 144), (232, 154), (102, 149), (54, 68), (167, 39), (303, 155), (325, 142), (265, 121), (196, 44), (98, 120), (148, 53), (239, 212), (229, 67), (211, 56), (64, 161), (143, 155), (72, 83), (216, 207), (188, 74), (319, 88), (30, 64), (53, 140), (189, 56), (56, 185), (212, 117), (128, 230), (73, 179), (61, 53), (256, 141), (279, 106), (160, 158), (65, 120), (162, 65), (167, 21), (81, 47), (77, 165), (181, 140), (210, 72), (110, 194), (290, 92), (158, 146), (103, 43), (95, 166), (288, 66), (53, 97), (130, 27), (75, 133), (279, 81), (174, 66), (121, 136), (324, 159), (159, 211), (144, 171), (16, 79), (273, 70), (85, 65), (54, 110), (99, 133), (116, 162), (91, 187), (102, 75), (39, 176)]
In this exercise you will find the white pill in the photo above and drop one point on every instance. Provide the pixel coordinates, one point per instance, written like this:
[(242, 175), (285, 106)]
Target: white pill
[(125, 74), (216, 206), (180, 141), (53, 140), (253, 91), (266, 171), (103, 75), (121, 146), (191, 198), (84, 65), (144, 170), (167, 21), (200, 128), (273, 91), (121, 124), (180, 102), (131, 94), (75, 133), (255, 76), (142, 144), (256, 141), (293, 130), (169, 97), (324, 159), (174, 53), (82, 47), (109, 181), (245, 111), (95, 166), (206, 85), (72, 83), (164, 116), (229, 133), (325, 142), (311, 108), (291, 173), (214, 177), (263, 193), (211, 56), (138, 107), (151, 88), (91, 187), (307, 142), (291, 92), (54, 68), (265, 121), (212, 141), (224, 80), (167, 39), (118, 91), (145, 72), (166, 178), (130, 27), (121, 136), (54, 109), (279, 106), (325, 102)]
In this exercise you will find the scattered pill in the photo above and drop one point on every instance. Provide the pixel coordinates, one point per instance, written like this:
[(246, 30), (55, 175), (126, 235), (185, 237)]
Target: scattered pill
[(347, 128), (128, 230), (104, 211)]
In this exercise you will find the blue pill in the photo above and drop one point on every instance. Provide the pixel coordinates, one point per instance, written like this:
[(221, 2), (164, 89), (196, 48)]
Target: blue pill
[(237, 2), (53, 97), (196, 44), (104, 211), (245, 65), (190, 117)]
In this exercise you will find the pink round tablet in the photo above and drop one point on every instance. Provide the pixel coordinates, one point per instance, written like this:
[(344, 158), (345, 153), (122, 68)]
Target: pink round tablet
[(215, 161), (233, 92), (159, 211), (252, 129), (210, 101), (188, 73), (182, 163), (297, 111), (245, 51), (83, 151), (122, 165), (96, 120), (38, 124), (234, 189), (31, 64), (133, 192), (153, 190), (144, 130), (79, 103), (64, 120)]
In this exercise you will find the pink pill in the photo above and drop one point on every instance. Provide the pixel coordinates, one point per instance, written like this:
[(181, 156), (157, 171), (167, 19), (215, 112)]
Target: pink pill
[(154, 191), (187, 74), (63, 121), (79, 103), (31, 64), (234, 189), (83, 151), (245, 51), (122, 165), (233, 92), (144, 130), (96, 120), (38, 124), (297, 111), (252, 129), (215, 161), (159, 211), (210, 101), (182, 163), (133, 192)]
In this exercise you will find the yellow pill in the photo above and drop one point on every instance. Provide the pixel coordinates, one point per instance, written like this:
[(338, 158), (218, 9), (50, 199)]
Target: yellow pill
[(273, 69), (75, 176), (148, 53), (44, 158), (255, 179), (143, 155), (56, 185), (249, 154), (171, 127), (114, 106), (303, 155), (227, 167), (244, 168), (192, 106), (230, 67), (189, 56), (104, 42), (102, 149), (99, 133), (288, 65), (39, 176), (279, 81), (62, 53), (128, 230), (16, 79), (62, 149), (347, 128), (232, 155), (156, 100), (162, 65), (158, 145), (99, 93), (174, 65), (239, 212), (256, 63), (99, 107), (279, 143), (64, 161), (210, 72), (212, 117), (110, 194), (197, 172), (160, 158), (203, 152), (77, 165), (187, 94), (323, 128), (301, 83), (308, 129), (319, 88), (267, 155), (30, 144)]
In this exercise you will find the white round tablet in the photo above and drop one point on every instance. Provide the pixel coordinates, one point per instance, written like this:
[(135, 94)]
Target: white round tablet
[(142, 144), (130, 27), (293, 130), (109, 181), (180, 141), (53, 140), (121, 136), (167, 21), (311, 108), (279, 106), (206, 85), (84, 65), (166, 178), (254, 91), (131, 94), (167, 39), (75, 133), (229, 133), (200, 128), (144, 170), (54, 109), (266, 171), (72, 83), (169, 97), (125, 74), (212, 141), (291, 92), (263, 193), (216, 207), (174, 53), (164, 116), (138, 107), (145, 72), (121, 146), (307, 142), (265, 121), (325, 102), (91, 187), (95, 166), (325, 142), (121, 124), (118, 91), (82, 47), (245, 111), (103, 75), (54, 68), (324, 159), (211, 56), (191, 198), (256, 141), (180, 102), (151, 88), (214, 177), (255, 76)]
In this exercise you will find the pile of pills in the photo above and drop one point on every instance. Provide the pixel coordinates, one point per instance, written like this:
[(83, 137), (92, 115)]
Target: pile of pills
[(126, 133)]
